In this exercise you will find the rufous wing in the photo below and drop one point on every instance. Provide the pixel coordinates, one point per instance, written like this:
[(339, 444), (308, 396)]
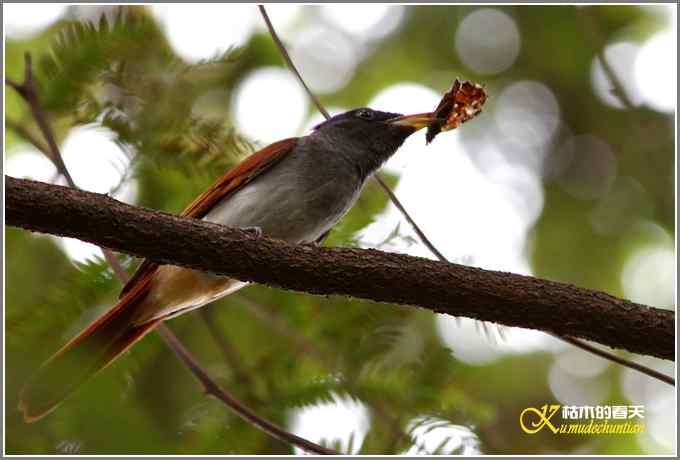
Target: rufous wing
[(118, 329), (228, 184)]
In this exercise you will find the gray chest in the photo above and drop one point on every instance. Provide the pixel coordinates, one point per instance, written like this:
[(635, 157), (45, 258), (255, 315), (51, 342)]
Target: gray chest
[(298, 199)]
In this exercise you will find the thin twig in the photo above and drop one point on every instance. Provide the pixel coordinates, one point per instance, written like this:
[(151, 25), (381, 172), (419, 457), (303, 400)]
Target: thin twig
[(304, 347), (115, 265), (620, 91), (211, 388), (576, 342), (423, 238), (596, 33), (617, 359), (14, 85), (289, 61), (228, 352), (29, 93)]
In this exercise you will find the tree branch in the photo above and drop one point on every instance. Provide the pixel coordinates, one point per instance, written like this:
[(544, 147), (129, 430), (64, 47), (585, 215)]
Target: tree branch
[(596, 34), (617, 359), (28, 91), (211, 388), (289, 62), (457, 290), (229, 353)]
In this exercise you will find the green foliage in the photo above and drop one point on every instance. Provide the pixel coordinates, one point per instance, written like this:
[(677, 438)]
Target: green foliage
[(296, 350)]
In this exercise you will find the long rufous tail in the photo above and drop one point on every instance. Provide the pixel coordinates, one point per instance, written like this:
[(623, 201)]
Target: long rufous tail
[(92, 350)]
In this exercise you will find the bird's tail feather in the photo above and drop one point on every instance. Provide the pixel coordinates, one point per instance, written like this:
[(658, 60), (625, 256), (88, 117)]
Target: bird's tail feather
[(92, 350)]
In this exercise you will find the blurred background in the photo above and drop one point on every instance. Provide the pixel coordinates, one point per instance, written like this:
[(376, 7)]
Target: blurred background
[(568, 174)]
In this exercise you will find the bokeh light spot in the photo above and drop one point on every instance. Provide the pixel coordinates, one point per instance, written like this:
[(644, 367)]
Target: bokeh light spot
[(621, 59), (95, 161), (350, 418), (659, 401), (488, 41), (255, 114), (586, 167), (570, 389), (326, 58), (527, 114), (656, 72), (648, 276), (465, 341), (22, 20), (364, 21), (203, 31), (579, 363), (435, 436), (96, 164), (26, 162), (626, 202)]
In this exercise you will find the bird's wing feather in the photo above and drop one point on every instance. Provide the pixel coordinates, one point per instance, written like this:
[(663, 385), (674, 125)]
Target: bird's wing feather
[(238, 176), (119, 328), (232, 181)]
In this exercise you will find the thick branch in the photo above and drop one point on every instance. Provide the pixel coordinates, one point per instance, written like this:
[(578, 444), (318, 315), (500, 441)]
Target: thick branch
[(505, 298)]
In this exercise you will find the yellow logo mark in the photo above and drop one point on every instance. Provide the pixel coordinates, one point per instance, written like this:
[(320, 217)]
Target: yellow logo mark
[(544, 415)]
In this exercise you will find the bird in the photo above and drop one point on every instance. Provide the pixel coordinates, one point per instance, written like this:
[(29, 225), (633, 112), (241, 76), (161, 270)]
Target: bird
[(294, 190)]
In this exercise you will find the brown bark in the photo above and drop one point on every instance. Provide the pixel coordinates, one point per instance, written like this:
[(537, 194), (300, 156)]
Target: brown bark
[(504, 298)]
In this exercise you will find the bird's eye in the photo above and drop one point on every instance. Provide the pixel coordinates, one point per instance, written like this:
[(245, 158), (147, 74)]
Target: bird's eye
[(366, 114)]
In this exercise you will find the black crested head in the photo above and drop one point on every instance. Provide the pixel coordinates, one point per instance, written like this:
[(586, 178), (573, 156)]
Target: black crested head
[(367, 136)]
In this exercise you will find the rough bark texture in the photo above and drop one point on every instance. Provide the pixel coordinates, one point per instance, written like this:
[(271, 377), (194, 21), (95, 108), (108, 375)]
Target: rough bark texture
[(504, 298)]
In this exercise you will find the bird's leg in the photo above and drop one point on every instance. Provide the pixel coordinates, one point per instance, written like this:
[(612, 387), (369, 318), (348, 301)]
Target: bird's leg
[(254, 231), (320, 239)]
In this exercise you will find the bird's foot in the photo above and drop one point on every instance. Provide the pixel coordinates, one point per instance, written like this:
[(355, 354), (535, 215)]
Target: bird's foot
[(255, 231)]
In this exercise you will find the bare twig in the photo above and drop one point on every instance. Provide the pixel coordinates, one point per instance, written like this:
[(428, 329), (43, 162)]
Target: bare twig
[(211, 388), (304, 346), (598, 40), (14, 85), (416, 228), (228, 352), (29, 93), (426, 241), (289, 62), (617, 359)]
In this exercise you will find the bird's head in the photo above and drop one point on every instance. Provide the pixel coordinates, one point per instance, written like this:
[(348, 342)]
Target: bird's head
[(371, 136)]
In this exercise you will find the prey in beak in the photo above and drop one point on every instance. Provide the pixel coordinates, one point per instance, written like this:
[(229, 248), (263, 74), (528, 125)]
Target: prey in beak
[(461, 103)]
